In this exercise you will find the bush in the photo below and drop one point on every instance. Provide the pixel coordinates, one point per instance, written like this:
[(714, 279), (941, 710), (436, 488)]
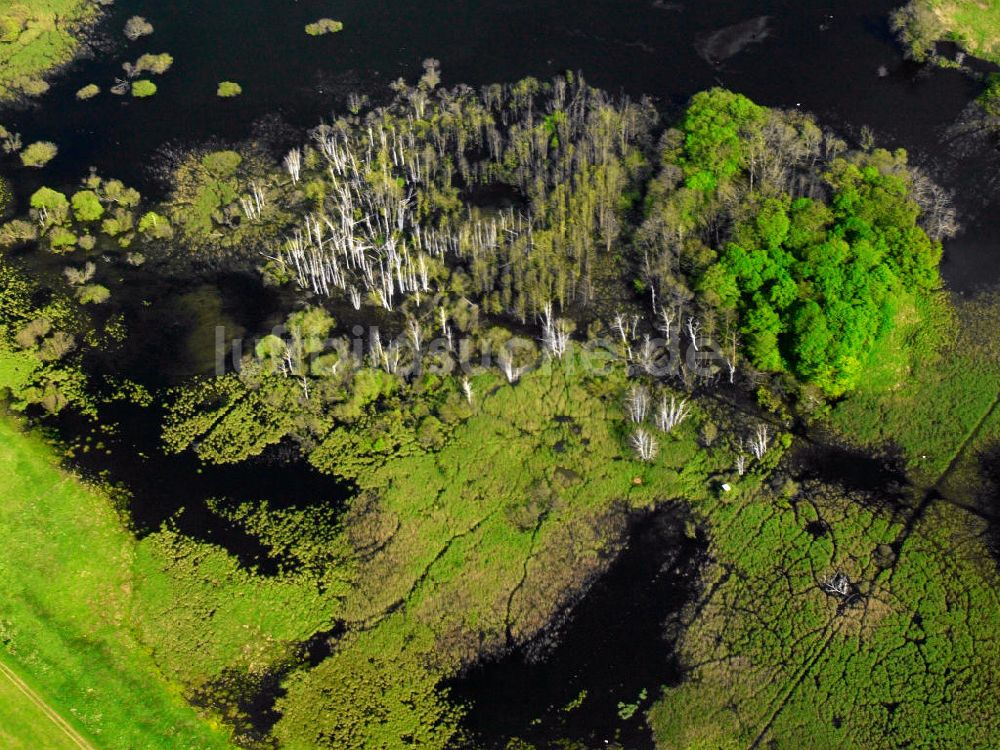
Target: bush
[(93, 294), (136, 27), (229, 89), (50, 200), (87, 206), (143, 88), (39, 154), (155, 64), (5, 195), (324, 26), (88, 92)]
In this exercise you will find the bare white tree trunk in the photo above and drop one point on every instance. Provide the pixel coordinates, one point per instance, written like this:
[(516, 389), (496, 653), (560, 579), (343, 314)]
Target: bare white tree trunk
[(671, 413), (644, 444), (637, 404), (759, 442)]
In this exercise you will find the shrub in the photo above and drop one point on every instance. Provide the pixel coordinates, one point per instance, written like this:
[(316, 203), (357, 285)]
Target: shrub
[(16, 232), (229, 89), (50, 200), (93, 294), (324, 26), (5, 195), (989, 100), (136, 27), (156, 226), (87, 206), (155, 64), (39, 154), (88, 92), (143, 88)]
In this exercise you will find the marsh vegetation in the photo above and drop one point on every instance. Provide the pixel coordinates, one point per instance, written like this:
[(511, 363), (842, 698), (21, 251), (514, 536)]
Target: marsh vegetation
[(505, 326)]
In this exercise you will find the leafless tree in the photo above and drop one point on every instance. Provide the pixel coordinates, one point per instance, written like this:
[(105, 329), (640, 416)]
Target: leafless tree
[(467, 390), (671, 413), (839, 584), (637, 404), (693, 327), (416, 336), (293, 163), (621, 325), (759, 442), (667, 319), (555, 333), (644, 444)]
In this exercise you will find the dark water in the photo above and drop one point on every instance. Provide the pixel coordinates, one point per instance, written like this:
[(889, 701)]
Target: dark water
[(611, 657), (821, 55), (836, 59)]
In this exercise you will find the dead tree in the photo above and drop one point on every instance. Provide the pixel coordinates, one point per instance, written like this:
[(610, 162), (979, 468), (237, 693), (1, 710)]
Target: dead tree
[(637, 404), (644, 444), (759, 442), (671, 413)]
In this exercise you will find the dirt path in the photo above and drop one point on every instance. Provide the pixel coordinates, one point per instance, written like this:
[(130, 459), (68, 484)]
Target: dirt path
[(75, 737)]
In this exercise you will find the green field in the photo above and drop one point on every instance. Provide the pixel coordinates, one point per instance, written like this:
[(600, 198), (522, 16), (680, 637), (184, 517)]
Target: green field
[(66, 577), (26, 722)]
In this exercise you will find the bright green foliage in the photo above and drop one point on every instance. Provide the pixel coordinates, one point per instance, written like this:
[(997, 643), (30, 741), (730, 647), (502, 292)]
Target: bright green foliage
[(36, 344), (39, 154), (51, 201), (106, 201), (817, 288), (205, 203), (335, 705), (989, 100), (87, 206), (203, 613), (810, 288), (714, 126), (143, 88), (66, 574), (931, 402), (229, 89), (324, 26), (156, 226), (93, 294)]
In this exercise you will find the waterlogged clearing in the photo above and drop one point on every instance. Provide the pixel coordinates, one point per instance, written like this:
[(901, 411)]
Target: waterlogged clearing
[(902, 658)]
